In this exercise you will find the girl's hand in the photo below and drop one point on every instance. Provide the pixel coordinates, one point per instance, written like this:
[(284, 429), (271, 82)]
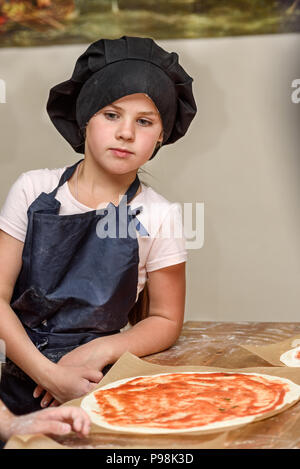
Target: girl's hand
[(55, 421), (68, 383), (93, 356)]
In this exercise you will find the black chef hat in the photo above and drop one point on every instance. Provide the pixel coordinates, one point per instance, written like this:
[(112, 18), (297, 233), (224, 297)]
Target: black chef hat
[(112, 68)]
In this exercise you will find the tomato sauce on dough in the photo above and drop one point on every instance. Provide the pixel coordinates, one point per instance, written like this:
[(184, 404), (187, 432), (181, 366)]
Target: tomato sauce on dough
[(180, 401)]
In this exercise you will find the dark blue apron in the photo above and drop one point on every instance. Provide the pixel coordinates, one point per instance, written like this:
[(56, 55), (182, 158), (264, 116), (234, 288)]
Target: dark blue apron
[(74, 285)]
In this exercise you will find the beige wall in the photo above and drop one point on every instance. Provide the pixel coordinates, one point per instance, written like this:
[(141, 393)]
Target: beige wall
[(240, 157)]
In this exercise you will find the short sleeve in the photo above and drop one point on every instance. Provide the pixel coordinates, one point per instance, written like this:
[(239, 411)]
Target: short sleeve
[(168, 247), (13, 214)]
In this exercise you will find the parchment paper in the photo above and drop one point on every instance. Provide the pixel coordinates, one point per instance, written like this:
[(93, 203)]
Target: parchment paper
[(38, 441), (272, 353)]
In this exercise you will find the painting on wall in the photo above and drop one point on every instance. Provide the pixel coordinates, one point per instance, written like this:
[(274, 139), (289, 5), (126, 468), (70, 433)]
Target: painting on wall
[(49, 22)]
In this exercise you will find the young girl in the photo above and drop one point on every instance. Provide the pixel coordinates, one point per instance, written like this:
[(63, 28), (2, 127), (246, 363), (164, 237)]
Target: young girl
[(69, 278)]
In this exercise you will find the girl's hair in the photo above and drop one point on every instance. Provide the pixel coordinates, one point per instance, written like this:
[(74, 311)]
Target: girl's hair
[(140, 310)]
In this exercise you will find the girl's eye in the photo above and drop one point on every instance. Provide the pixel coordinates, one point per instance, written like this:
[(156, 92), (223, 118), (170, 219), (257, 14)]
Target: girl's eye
[(144, 122), (113, 116), (110, 115)]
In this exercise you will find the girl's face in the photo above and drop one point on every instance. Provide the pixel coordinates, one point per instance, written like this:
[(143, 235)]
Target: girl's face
[(131, 123)]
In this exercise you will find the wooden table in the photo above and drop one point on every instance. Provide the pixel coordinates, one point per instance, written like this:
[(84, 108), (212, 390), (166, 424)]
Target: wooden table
[(216, 344)]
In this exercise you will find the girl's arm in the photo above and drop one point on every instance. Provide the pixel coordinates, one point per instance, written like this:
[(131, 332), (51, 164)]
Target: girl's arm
[(19, 347), (162, 327)]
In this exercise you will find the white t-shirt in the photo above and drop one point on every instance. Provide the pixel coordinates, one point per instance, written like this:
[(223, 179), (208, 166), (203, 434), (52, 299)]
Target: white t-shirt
[(162, 219)]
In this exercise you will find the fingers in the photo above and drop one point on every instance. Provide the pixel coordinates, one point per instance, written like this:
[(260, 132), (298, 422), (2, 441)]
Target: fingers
[(92, 386), (82, 423), (52, 426), (54, 403), (76, 417), (93, 375), (75, 383), (38, 391), (47, 399)]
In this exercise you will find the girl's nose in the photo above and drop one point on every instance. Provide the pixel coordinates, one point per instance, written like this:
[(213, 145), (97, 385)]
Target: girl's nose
[(125, 130)]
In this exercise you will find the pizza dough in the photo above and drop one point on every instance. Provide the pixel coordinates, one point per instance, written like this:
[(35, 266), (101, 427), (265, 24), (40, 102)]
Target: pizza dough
[(291, 357), (188, 401)]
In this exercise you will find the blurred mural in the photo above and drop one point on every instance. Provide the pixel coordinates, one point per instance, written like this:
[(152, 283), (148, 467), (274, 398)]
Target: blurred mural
[(48, 22)]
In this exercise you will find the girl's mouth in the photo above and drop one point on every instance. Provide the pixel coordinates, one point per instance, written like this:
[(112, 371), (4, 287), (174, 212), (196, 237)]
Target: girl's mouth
[(121, 153)]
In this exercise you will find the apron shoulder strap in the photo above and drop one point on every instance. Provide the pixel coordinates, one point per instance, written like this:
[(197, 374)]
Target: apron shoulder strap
[(132, 190), (65, 176)]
